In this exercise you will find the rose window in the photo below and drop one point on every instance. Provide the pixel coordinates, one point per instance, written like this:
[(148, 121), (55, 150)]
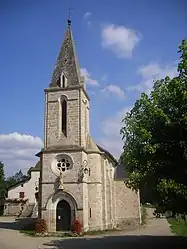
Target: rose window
[(63, 164)]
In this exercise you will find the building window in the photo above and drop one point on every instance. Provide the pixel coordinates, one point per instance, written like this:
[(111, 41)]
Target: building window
[(64, 116), (61, 163), (63, 83), (90, 212), (21, 195), (22, 185), (89, 171), (59, 82), (64, 162), (62, 80)]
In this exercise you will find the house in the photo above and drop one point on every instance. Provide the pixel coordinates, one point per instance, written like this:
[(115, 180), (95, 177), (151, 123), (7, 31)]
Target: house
[(23, 196)]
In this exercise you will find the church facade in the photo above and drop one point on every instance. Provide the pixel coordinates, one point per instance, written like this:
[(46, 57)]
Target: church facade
[(78, 178)]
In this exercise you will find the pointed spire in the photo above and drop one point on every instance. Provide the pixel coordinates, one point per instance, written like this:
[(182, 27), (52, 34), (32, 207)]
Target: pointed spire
[(67, 63)]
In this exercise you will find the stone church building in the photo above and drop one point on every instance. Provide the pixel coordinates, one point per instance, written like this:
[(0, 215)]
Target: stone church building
[(78, 178)]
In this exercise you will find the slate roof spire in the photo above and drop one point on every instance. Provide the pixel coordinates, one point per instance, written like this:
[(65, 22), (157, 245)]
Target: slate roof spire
[(67, 63)]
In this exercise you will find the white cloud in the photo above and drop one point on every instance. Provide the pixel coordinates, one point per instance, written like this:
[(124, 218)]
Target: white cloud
[(112, 140), (114, 90), (120, 40), (151, 72), (17, 151), (89, 80), (87, 17)]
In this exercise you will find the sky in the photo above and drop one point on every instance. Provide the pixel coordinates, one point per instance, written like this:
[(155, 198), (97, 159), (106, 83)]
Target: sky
[(122, 46)]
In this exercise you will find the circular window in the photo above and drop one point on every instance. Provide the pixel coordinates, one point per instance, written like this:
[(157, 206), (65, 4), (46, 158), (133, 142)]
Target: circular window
[(61, 163)]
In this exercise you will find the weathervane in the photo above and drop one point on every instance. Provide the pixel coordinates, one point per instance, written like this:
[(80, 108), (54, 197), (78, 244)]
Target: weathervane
[(69, 15)]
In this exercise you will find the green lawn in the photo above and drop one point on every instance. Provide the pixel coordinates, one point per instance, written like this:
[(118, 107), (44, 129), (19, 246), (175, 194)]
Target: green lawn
[(178, 226)]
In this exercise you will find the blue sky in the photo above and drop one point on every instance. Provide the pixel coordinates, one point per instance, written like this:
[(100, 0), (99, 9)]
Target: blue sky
[(121, 45)]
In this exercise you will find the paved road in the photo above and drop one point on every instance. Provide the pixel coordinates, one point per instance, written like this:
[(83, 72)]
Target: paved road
[(156, 233), (11, 238)]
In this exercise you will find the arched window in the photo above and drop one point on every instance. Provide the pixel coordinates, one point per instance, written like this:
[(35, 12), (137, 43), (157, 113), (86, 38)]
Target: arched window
[(59, 82), (63, 81), (64, 116)]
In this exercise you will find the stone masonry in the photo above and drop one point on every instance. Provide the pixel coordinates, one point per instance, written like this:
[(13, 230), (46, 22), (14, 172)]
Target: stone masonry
[(99, 200)]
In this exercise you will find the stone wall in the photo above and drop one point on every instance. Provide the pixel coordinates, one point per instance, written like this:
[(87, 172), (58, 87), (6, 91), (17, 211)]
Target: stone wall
[(53, 133), (12, 209), (77, 117), (70, 177), (127, 205), (49, 187), (84, 118)]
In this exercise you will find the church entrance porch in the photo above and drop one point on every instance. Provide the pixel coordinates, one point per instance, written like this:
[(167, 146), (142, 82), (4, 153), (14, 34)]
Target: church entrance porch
[(60, 211), (63, 216)]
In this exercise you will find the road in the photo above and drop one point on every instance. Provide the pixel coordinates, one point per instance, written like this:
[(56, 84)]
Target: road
[(154, 235)]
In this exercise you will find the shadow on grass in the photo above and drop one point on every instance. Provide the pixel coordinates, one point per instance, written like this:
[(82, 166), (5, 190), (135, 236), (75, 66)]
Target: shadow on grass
[(127, 242)]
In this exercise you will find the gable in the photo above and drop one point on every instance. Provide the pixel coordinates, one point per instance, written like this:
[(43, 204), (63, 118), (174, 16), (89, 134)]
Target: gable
[(19, 183)]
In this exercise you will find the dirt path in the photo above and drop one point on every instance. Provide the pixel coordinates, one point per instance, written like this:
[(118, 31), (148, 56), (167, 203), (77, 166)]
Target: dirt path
[(11, 238)]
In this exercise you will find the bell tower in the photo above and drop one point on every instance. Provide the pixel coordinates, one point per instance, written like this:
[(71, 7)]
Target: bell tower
[(66, 100)]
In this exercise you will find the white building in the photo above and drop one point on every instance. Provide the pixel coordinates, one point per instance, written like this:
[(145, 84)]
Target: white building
[(22, 197)]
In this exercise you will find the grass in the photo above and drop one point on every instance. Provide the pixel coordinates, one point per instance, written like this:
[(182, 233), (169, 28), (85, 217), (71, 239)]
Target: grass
[(178, 226), (143, 215), (28, 232), (96, 232), (32, 233)]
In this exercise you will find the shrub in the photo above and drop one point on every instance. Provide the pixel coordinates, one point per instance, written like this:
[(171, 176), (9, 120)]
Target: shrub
[(144, 215), (41, 226), (76, 227)]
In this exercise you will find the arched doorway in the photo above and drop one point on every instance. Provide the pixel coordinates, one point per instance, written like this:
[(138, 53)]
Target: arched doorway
[(63, 216)]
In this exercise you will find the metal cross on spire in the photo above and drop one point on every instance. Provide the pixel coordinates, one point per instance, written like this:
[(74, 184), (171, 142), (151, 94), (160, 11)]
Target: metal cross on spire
[(69, 15)]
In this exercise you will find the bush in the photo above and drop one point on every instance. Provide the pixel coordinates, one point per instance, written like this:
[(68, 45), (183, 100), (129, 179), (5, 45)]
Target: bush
[(143, 215), (41, 226), (178, 226), (76, 227)]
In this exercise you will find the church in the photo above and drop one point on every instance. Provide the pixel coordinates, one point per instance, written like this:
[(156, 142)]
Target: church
[(78, 178)]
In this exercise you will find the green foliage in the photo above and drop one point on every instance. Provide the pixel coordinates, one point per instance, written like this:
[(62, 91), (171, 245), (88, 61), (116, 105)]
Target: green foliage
[(155, 140), (31, 233), (178, 226), (2, 187), (19, 176), (143, 215), (2, 181)]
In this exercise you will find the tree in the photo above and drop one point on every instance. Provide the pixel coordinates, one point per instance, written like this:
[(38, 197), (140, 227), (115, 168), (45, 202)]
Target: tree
[(155, 140), (2, 181), (19, 176), (2, 187)]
